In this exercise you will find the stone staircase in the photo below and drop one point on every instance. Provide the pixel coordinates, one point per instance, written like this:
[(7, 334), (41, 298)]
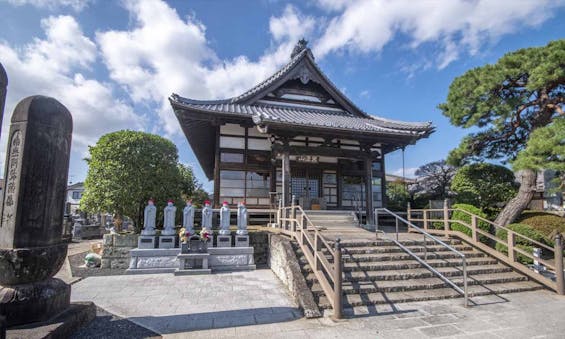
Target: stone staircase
[(332, 219), (379, 272)]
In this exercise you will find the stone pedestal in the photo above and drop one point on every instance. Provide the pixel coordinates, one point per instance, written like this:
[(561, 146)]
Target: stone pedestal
[(167, 241), (157, 260), (231, 258), (193, 263), (147, 241), (241, 241), (223, 241), (33, 302)]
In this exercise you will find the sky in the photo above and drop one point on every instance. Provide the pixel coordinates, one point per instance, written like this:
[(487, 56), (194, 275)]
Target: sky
[(113, 64)]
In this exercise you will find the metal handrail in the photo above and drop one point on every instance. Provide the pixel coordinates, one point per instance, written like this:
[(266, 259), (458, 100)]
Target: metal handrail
[(426, 235)]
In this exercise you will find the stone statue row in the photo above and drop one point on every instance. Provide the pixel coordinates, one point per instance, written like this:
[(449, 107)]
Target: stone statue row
[(170, 211)]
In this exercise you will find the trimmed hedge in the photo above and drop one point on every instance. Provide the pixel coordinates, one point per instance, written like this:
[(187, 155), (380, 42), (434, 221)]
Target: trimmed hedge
[(466, 218), (522, 243), (545, 223)]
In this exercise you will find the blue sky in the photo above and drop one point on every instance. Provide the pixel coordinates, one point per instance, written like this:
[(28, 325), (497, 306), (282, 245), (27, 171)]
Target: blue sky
[(114, 63)]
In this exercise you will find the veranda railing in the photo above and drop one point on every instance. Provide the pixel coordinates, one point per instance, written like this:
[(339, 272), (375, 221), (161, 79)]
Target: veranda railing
[(440, 221), (293, 222)]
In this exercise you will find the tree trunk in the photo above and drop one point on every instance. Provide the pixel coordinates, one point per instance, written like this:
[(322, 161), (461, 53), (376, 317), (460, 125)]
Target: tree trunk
[(516, 205)]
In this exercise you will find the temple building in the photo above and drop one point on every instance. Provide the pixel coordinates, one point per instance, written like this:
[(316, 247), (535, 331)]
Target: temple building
[(295, 134)]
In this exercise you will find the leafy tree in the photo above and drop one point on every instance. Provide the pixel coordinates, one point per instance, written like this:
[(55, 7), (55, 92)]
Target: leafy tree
[(507, 101), (126, 168), (435, 179), (397, 196), (483, 185), (545, 150)]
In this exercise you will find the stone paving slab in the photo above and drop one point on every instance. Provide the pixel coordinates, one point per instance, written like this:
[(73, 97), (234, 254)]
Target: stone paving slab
[(255, 305)]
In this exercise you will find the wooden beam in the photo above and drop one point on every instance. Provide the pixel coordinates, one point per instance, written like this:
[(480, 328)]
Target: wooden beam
[(326, 151), (217, 170)]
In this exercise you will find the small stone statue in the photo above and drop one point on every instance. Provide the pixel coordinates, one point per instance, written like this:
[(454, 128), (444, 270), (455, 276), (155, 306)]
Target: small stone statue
[(188, 217), (169, 219), (241, 219), (207, 215), (225, 219), (149, 216)]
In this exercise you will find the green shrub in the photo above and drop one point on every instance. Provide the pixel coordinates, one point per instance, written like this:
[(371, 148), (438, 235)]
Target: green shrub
[(522, 243), (466, 218), (545, 223)]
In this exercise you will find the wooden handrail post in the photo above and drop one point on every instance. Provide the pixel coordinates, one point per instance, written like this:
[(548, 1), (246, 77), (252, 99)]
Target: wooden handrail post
[(474, 227), (316, 247), (446, 216), (425, 219), (511, 242), (558, 252), (338, 293)]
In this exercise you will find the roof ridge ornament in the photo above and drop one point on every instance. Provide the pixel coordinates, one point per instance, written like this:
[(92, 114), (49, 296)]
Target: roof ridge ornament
[(301, 45)]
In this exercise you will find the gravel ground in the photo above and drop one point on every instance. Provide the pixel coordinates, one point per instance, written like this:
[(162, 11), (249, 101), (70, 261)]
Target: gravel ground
[(108, 325)]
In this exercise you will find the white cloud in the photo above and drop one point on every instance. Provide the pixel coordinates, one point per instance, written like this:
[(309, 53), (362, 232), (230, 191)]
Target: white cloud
[(455, 26), (54, 66), (77, 5), (163, 53)]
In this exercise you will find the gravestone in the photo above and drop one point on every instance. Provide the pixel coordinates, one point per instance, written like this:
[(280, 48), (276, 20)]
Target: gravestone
[(31, 220)]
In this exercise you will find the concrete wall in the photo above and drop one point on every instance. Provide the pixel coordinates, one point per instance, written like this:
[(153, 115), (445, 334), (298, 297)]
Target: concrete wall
[(284, 264)]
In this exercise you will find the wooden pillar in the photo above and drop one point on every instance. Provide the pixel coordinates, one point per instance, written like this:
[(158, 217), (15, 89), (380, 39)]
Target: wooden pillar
[(286, 177), (216, 202), (369, 190)]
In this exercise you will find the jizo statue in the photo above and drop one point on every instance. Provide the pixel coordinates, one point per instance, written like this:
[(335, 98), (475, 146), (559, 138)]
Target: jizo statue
[(149, 217), (207, 215), (188, 217), (241, 219), (170, 212), (225, 219)]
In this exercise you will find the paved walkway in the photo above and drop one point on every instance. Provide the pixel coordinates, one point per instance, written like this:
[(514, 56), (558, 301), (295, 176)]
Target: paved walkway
[(255, 305)]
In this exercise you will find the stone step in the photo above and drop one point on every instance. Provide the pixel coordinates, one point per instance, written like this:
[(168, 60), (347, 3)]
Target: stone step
[(415, 273), (405, 264), (421, 284), (394, 248), (380, 257), (363, 299), (380, 243)]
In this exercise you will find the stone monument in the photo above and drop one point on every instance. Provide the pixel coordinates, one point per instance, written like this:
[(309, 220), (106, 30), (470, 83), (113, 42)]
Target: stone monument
[(242, 237), (3, 91), (224, 237), (168, 235), (31, 246), (207, 215), (147, 237)]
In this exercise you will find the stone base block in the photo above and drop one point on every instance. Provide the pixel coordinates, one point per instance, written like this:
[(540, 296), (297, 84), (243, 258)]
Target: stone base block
[(223, 240), (241, 241), (26, 265), (167, 241), (231, 258), (33, 302), (63, 325), (194, 271), (157, 260), (147, 241)]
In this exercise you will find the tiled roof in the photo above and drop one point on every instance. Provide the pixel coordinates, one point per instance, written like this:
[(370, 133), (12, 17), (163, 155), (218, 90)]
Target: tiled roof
[(308, 117)]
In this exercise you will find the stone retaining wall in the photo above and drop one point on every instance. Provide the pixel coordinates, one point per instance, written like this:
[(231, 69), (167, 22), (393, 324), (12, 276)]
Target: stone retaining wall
[(284, 264), (116, 250)]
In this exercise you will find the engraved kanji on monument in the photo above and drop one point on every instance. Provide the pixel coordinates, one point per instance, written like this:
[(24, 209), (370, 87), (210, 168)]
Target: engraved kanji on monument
[(224, 237), (31, 246)]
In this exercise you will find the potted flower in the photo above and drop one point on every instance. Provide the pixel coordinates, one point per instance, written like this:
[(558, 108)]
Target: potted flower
[(205, 236)]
